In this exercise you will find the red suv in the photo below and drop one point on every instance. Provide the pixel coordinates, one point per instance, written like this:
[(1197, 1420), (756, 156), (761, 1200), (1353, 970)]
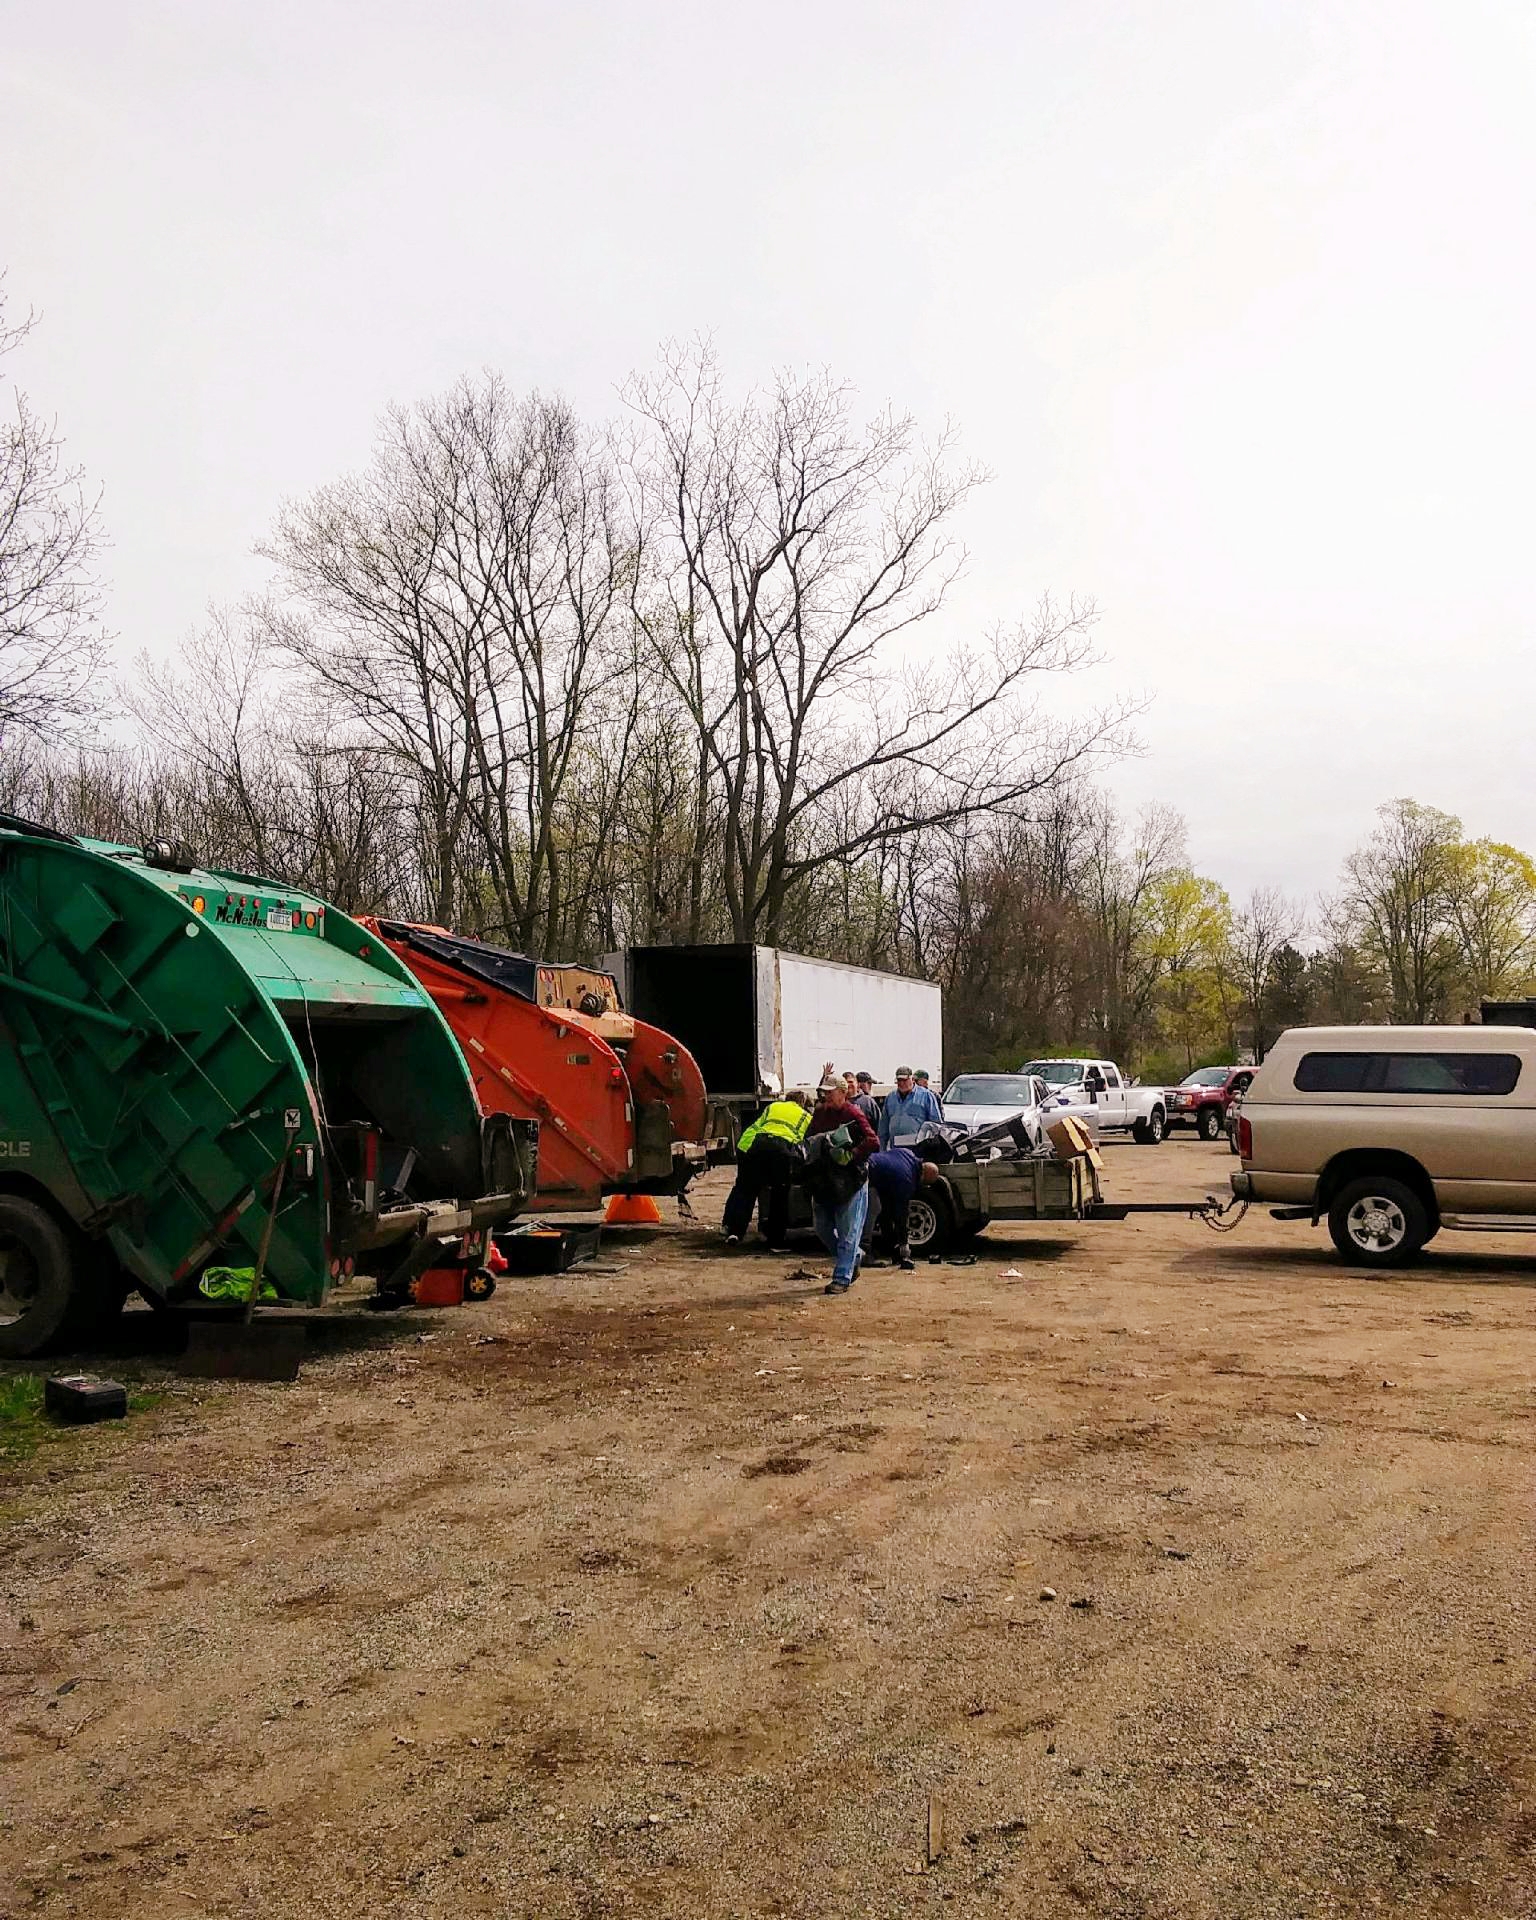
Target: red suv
[(1201, 1099)]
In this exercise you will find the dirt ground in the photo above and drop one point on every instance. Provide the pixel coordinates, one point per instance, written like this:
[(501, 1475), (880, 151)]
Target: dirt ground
[(683, 1590)]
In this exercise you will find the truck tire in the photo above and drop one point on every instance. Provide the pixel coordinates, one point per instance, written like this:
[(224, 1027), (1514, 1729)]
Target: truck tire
[(1378, 1222), (1208, 1126), (1151, 1131), (47, 1298), (930, 1223)]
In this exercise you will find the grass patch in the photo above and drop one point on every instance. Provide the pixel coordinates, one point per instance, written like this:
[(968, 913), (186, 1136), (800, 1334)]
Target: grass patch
[(22, 1425)]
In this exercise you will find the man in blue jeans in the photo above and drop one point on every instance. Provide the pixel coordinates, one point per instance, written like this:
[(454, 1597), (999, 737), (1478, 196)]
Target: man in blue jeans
[(838, 1148)]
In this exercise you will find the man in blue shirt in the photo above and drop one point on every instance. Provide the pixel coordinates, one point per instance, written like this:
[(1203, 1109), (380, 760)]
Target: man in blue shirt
[(907, 1110), (894, 1177)]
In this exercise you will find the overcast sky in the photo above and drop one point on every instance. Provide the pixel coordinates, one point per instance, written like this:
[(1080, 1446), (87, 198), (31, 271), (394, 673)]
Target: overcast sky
[(1235, 299)]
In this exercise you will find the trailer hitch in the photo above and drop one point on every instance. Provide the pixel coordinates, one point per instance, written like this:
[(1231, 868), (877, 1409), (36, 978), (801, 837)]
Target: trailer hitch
[(1212, 1212), (1221, 1216)]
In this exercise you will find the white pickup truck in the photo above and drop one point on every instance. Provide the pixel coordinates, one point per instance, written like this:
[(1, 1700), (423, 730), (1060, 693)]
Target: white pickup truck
[(1098, 1089)]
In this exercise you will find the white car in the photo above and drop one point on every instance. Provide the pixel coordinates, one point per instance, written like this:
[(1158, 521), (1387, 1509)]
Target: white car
[(983, 1099)]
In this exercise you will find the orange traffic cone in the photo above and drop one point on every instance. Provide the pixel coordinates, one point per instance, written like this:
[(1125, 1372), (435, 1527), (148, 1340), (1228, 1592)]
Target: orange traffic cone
[(632, 1210)]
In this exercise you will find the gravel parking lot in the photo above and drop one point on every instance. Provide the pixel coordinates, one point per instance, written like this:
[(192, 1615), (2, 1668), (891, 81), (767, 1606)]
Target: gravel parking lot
[(675, 1588)]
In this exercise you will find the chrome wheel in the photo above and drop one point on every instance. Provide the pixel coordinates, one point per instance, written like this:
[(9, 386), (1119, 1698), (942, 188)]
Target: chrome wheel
[(1376, 1224)]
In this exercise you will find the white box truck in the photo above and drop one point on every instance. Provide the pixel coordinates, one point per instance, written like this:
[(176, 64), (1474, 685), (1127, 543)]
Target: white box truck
[(755, 1016)]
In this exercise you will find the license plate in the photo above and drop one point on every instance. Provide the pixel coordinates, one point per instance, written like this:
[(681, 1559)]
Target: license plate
[(279, 920)]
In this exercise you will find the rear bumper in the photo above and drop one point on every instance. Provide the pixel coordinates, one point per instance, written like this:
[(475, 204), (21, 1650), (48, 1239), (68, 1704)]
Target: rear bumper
[(443, 1221), (1286, 1189), (689, 1158)]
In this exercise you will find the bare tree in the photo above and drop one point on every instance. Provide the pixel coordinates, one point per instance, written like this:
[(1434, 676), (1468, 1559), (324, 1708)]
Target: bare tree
[(1346, 980), (465, 601), (1005, 927), (52, 642), (1268, 923), (211, 707), (796, 561), (282, 787), (1121, 894)]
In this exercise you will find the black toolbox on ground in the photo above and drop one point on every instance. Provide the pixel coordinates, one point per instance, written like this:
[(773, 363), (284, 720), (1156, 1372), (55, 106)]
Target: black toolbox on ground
[(79, 1397), (547, 1248)]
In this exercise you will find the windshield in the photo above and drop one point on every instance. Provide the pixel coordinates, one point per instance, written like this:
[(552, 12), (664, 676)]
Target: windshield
[(1206, 1077), (1058, 1073), (990, 1090)]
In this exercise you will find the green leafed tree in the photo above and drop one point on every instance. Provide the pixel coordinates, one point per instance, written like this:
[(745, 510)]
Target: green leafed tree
[(1491, 906), (1190, 938), (1398, 892)]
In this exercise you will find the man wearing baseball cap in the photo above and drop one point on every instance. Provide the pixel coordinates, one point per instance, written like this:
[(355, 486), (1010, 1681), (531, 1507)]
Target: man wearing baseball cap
[(907, 1110)]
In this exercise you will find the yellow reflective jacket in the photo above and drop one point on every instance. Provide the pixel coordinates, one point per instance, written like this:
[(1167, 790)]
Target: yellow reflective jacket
[(783, 1120)]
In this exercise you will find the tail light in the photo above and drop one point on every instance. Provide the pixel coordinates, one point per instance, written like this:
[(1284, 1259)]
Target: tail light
[(1244, 1138)]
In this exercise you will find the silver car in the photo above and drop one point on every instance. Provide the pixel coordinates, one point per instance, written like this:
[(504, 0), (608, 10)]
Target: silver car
[(983, 1099)]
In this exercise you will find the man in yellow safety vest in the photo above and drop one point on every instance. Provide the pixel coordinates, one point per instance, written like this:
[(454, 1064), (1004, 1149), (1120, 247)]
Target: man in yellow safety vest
[(767, 1157)]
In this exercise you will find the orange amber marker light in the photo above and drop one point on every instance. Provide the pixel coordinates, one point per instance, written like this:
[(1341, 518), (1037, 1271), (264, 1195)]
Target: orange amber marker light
[(309, 919), (199, 904)]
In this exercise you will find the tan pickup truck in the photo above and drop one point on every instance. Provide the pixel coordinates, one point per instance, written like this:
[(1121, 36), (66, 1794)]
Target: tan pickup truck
[(1391, 1133)]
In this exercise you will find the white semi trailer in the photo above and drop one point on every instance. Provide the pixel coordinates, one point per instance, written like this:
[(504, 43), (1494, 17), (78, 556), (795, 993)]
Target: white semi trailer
[(756, 1017)]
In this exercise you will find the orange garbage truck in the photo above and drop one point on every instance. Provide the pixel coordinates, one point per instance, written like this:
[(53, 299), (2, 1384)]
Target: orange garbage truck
[(621, 1104)]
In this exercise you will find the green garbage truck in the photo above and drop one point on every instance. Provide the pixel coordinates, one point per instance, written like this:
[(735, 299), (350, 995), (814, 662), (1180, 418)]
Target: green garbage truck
[(199, 1068)]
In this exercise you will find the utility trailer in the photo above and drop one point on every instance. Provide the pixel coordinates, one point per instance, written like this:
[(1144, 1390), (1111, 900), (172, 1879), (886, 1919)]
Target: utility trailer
[(975, 1192), (980, 1187), (621, 1104), (196, 1065)]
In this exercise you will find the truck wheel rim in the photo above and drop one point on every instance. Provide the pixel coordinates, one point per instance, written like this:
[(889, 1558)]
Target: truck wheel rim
[(18, 1284), (1157, 1126), (1377, 1224), (922, 1225)]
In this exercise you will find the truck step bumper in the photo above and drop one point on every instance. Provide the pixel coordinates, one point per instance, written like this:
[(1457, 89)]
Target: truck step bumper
[(435, 1222)]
